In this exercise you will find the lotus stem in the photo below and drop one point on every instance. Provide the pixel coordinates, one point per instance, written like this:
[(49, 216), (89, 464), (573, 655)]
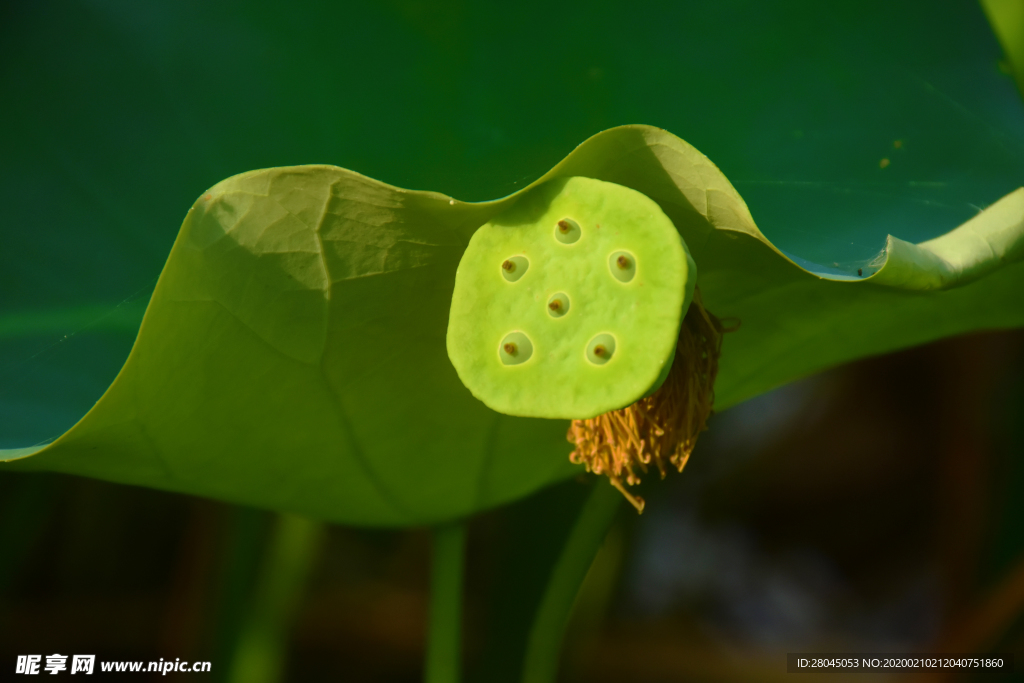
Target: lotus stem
[(444, 637), (544, 642)]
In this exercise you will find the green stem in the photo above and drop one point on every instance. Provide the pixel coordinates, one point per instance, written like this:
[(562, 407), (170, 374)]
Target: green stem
[(545, 640), (263, 642), (245, 535), (444, 639)]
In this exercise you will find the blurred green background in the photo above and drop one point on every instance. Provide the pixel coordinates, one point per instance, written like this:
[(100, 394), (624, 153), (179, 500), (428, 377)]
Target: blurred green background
[(871, 507)]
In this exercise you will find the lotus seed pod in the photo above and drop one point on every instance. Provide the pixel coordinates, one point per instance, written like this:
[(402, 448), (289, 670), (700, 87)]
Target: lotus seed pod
[(568, 305)]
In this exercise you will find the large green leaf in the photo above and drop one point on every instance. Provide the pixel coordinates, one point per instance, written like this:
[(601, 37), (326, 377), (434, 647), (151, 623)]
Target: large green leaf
[(117, 114), (293, 354)]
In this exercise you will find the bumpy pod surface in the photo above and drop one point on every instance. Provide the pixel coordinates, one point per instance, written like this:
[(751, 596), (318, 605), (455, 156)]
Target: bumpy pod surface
[(569, 304)]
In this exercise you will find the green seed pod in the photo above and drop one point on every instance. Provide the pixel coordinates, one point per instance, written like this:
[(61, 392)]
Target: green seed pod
[(568, 305)]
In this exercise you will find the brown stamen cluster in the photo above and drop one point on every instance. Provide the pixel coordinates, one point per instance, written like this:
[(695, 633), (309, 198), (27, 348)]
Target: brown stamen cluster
[(661, 429)]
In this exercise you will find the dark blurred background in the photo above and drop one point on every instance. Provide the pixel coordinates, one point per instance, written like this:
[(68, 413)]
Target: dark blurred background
[(868, 508)]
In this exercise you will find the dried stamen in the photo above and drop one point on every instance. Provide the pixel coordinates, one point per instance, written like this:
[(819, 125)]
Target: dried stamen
[(507, 265), (510, 348), (555, 305), (623, 262), (563, 227), (660, 429), (599, 350)]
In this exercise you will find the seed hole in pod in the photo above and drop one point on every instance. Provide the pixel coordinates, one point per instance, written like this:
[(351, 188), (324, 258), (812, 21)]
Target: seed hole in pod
[(558, 305), (622, 265), (601, 349), (514, 267), (567, 231), (515, 348)]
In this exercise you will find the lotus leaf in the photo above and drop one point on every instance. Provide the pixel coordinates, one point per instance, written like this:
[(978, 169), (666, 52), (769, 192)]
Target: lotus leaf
[(293, 353)]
